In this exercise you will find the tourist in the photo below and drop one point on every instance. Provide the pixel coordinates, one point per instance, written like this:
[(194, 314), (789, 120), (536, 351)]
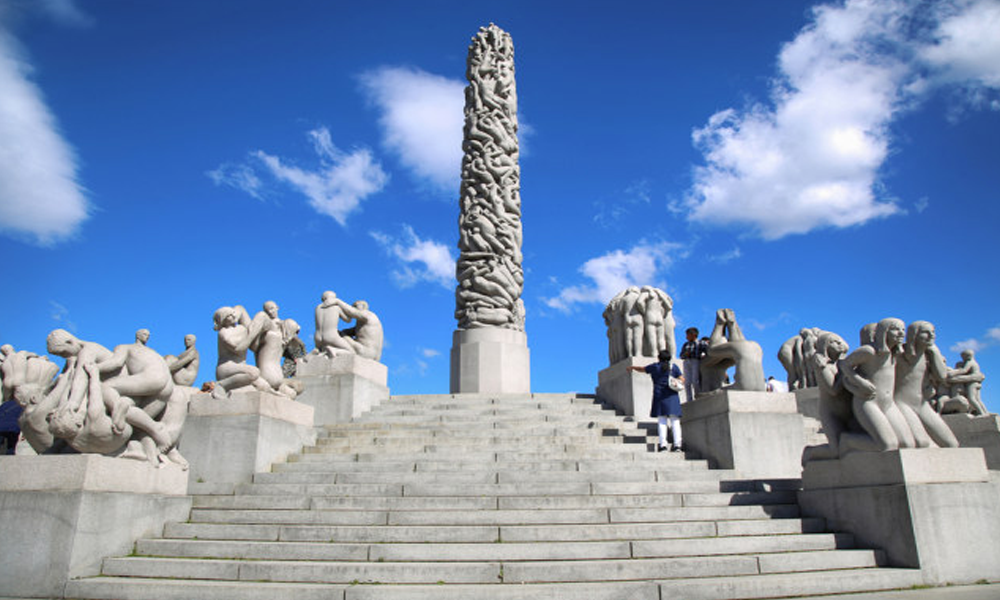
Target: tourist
[(691, 353), (666, 406)]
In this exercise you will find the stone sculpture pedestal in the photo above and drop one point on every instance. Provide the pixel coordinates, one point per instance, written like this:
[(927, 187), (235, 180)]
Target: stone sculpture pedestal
[(341, 388), (227, 441), (490, 360), (60, 516), (760, 434), (978, 432), (928, 508), (807, 400), (630, 393)]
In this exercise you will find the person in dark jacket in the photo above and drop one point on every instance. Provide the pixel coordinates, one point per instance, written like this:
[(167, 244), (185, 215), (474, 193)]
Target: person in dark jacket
[(666, 406)]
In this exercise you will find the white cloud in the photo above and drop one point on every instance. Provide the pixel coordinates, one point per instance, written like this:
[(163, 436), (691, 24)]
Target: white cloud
[(421, 120), (726, 257), (241, 177), (40, 195), (615, 271), (990, 338), (421, 260), (60, 314), (335, 188), (429, 352), (810, 158)]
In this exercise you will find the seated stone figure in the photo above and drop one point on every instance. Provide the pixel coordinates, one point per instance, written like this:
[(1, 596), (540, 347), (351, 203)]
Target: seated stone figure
[(328, 316), (915, 368), (184, 366), (834, 401), (366, 337), (869, 373), (236, 333), (728, 347)]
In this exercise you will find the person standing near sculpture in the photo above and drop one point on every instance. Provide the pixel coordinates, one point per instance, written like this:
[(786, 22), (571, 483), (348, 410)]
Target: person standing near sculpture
[(666, 407), (691, 353)]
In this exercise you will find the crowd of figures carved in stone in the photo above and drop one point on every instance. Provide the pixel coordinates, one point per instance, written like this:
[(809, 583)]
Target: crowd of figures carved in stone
[(888, 393), (640, 322), (489, 272), (128, 402)]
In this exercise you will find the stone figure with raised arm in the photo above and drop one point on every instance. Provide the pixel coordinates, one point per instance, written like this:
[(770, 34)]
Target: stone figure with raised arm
[(328, 316), (916, 365), (236, 333), (78, 352), (834, 401), (28, 379), (966, 380), (728, 347), (184, 366), (368, 336), (268, 347), (869, 373), (92, 430)]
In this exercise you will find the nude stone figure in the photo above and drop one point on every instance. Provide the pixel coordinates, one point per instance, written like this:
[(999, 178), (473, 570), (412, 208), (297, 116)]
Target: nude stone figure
[(734, 350), (790, 357), (834, 401), (184, 366), (236, 333), (869, 373), (368, 336), (76, 352), (27, 379), (913, 389), (92, 430), (328, 316), (657, 313), (967, 379)]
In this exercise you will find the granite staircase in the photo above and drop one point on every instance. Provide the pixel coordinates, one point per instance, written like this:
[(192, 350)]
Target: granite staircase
[(477, 496)]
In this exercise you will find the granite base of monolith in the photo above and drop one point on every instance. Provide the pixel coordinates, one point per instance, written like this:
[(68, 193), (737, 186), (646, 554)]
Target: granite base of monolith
[(760, 434), (630, 393), (929, 508), (490, 360), (978, 432), (227, 441), (60, 516), (341, 388)]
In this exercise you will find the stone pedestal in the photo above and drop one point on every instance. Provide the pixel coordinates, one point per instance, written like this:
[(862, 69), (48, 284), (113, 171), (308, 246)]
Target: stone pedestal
[(490, 360), (60, 516), (227, 441), (630, 393), (930, 508), (978, 432), (807, 401), (341, 388), (760, 434)]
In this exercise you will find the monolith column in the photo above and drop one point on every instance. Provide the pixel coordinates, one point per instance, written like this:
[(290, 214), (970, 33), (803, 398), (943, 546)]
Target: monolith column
[(489, 351)]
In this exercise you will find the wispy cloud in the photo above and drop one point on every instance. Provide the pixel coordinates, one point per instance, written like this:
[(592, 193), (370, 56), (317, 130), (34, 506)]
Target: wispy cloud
[(335, 188), (60, 314), (421, 120), (613, 212), (41, 197), (726, 257), (611, 273), (990, 338), (429, 352), (418, 259), (239, 176), (810, 157)]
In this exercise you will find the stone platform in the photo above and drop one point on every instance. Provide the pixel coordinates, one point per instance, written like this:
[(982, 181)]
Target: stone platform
[(61, 515), (490, 360), (341, 388)]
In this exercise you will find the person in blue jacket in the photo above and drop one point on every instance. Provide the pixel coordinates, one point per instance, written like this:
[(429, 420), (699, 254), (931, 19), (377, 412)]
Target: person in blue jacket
[(666, 406)]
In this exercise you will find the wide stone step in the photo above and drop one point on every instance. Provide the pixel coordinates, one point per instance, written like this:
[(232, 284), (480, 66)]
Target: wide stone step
[(418, 463), (712, 588), (465, 552), (491, 533), (664, 514), (615, 455)]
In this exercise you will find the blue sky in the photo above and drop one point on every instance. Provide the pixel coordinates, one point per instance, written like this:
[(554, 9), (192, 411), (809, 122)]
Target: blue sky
[(825, 165)]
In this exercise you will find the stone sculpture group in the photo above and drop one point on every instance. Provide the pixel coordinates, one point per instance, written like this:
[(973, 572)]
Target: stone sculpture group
[(885, 394), (489, 272), (119, 403), (364, 339), (640, 322), (727, 347)]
